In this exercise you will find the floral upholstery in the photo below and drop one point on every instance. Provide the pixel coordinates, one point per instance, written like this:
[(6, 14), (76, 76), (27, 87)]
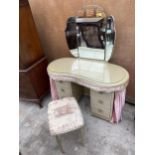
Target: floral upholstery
[(64, 115)]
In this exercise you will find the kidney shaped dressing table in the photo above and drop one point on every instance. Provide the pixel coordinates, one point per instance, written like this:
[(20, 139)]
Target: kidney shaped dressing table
[(91, 42)]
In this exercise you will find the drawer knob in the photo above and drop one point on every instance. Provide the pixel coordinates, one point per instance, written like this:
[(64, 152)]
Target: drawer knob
[(101, 102), (100, 111), (62, 90), (100, 92)]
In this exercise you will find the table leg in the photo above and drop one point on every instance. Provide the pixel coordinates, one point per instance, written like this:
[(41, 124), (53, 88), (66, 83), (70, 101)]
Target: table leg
[(59, 143)]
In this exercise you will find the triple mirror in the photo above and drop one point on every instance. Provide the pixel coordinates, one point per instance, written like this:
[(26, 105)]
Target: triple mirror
[(91, 34)]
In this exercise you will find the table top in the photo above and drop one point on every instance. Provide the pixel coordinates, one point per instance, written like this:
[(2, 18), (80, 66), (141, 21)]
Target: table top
[(93, 71)]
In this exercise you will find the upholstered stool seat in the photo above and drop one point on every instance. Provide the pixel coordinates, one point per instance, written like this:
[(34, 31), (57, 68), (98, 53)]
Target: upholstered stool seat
[(64, 115)]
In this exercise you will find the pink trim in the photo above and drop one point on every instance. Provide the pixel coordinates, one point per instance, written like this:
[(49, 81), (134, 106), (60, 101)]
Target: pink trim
[(119, 101), (89, 84), (54, 92)]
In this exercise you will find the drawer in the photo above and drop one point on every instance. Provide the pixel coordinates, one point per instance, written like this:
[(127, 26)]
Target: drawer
[(64, 89), (101, 113), (68, 89), (101, 99), (63, 84), (102, 103)]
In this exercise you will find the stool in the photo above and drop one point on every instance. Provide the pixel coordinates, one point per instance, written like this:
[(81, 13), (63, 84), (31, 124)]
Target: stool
[(64, 116)]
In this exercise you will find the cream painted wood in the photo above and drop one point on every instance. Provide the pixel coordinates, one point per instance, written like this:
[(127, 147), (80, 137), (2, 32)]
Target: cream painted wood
[(99, 74), (64, 89), (68, 89), (102, 104), (101, 114)]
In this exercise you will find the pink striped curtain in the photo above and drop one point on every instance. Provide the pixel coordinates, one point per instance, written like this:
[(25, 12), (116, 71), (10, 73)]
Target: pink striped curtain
[(54, 92), (119, 101)]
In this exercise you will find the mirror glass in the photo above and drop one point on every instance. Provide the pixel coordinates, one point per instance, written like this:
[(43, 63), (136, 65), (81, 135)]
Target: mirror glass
[(91, 37)]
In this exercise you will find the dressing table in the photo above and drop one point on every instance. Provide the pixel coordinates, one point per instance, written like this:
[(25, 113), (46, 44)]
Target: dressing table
[(91, 42)]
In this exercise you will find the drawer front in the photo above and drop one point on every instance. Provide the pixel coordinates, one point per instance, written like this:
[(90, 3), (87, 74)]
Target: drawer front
[(101, 113), (102, 103), (102, 100), (63, 84), (64, 89)]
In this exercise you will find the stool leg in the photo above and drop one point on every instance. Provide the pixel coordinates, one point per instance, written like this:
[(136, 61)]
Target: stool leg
[(59, 143), (81, 135)]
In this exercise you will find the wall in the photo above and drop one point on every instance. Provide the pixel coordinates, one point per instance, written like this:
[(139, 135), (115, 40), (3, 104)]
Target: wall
[(50, 18)]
